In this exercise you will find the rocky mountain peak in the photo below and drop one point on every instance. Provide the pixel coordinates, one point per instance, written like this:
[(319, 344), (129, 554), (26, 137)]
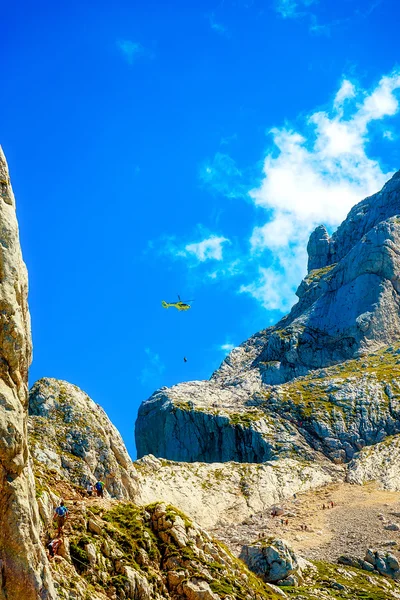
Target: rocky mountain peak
[(284, 391), (318, 248), (72, 435), (364, 216)]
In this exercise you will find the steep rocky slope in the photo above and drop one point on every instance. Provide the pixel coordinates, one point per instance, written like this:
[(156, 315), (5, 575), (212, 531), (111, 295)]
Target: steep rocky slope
[(23, 565), (317, 382), (72, 435), (119, 550)]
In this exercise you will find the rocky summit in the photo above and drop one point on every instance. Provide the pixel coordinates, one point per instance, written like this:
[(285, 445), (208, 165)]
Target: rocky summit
[(324, 380), (72, 436), (278, 478)]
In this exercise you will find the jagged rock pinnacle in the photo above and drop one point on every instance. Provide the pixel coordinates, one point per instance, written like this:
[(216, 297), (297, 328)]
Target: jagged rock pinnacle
[(318, 249)]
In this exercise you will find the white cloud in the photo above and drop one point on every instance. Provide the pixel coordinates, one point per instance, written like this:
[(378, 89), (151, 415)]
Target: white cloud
[(316, 178), (346, 91), (210, 248), (227, 347), (130, 50)]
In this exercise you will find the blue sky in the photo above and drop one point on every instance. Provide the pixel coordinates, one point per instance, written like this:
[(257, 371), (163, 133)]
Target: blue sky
[(162, 148)]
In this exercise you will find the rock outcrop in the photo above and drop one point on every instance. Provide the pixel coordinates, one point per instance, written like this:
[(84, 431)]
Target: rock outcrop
[(23, 564), (72, 436), (378, 463), (318, 249), (384, 563), (301, 387), (274, 561)]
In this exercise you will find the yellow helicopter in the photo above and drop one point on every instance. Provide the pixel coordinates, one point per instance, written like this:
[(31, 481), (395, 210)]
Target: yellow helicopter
[(179, 305)]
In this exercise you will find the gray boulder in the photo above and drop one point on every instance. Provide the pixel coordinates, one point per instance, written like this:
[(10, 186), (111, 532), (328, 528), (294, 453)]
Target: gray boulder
[(273, 560), (384, 563)]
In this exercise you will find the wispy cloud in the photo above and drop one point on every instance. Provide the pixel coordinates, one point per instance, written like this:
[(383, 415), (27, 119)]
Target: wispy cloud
[(229, 268), (227, 347), (218, 27), (130, 50), (291, 9), (221, 175), (307, 10), (315, 176), (389, 135), (208, 249), (228, 139)]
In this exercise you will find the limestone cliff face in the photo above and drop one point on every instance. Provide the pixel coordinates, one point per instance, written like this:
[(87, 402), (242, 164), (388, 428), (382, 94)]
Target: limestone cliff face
[(270, 396), (23, 572), (229, 492), (378, 463), (72, 436), (332, 412)]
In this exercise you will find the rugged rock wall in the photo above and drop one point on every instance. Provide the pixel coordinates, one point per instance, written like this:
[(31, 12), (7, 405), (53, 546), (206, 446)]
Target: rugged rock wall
[(72, 435), (349, 308), (23, 572), (333, 412)]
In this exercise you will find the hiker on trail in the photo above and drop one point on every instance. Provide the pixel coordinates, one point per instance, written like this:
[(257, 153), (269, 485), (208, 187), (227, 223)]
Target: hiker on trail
[(323, 507), (89, 489), (53, 547), (61, 514), (100, 489)]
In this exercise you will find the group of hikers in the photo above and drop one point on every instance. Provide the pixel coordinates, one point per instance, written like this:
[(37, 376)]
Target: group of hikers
[(99, 488), (61, 515)]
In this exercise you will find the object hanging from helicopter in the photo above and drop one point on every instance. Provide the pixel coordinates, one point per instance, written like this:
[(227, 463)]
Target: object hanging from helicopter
[(179, 305)]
